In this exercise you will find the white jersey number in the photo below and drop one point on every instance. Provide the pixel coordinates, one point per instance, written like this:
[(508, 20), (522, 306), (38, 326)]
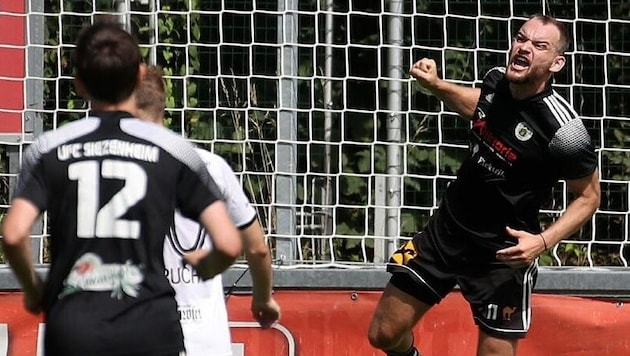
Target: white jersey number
[(106, 222)]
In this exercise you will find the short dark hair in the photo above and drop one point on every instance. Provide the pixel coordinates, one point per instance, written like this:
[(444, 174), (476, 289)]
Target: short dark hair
[(151, 93), (563, 43), (107, 60)]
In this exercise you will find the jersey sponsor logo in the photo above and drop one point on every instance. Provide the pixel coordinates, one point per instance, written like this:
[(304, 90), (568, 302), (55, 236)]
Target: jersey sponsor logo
[(139, 151), (487, 165), (189, 313), (182, 275), (480, 127), (523, 132), (91, 274)]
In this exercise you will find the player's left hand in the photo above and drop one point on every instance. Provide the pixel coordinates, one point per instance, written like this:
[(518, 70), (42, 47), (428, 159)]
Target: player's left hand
[(529, 247), (266, 312)]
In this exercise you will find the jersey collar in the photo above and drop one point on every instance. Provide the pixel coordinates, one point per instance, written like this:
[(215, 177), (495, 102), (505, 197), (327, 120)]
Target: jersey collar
[(110, 115)]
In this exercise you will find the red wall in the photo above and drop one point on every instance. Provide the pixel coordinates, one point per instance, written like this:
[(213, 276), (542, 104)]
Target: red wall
[(12, 68), (333, 323)]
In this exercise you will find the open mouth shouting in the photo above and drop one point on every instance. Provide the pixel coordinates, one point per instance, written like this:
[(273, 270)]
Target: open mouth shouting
[(519, 63)]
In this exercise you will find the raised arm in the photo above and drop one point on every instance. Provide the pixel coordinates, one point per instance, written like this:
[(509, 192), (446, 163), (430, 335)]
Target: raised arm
[(459, 98)]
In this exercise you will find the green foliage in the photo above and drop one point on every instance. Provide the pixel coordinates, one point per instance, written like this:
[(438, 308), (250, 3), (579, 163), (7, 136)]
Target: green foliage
[(546, 259)]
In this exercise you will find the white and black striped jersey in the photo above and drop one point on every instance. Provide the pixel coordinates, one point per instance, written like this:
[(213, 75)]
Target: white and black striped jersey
[(518, 150), (111, 184)]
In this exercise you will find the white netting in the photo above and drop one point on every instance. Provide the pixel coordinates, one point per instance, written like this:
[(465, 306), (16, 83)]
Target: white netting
[(311, 104)]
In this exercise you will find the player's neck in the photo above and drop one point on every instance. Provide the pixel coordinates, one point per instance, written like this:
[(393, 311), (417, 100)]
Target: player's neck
[(128, 105), (522, 91)]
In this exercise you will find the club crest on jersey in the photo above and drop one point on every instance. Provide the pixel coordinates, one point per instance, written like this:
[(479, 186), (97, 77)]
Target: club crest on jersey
[(523, 132)]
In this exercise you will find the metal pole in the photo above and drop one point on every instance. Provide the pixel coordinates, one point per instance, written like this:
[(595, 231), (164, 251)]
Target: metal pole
[(286, 152), (327, 190), (153, 25), (122, 8), (34, 106), (394, 122)]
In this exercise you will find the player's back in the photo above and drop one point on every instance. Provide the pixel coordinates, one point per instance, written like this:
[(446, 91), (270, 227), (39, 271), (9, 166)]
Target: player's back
[(111, 185)]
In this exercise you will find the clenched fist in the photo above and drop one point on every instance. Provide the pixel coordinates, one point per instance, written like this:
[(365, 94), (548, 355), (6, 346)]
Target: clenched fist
[(425, 72)]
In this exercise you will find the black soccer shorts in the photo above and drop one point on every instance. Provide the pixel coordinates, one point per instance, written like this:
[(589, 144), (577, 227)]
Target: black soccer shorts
[(437, 259)]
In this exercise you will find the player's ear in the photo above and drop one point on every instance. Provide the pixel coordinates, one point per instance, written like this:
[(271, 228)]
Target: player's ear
[(557, 64), (142, 71)]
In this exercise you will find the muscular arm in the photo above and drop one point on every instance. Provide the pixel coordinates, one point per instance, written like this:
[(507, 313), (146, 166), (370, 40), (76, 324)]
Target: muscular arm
[(17, 249), (587, 197), (579, 211), (461, 99)]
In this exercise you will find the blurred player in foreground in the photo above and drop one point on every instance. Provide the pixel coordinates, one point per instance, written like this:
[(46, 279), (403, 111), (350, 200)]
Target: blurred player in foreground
[(201, 304), (486, 235), (110, 184)]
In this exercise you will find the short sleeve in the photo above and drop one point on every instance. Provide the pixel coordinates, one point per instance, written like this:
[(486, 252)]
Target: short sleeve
[(492, 78), (572, 150), (239, 207), (196, 189), (31, 184)]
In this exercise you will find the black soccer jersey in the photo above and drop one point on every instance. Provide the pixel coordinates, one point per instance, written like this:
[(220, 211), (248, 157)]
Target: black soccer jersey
[(110, 184), (518, 150)]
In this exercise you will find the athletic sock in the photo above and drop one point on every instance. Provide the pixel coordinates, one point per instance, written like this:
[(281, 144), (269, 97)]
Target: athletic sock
[(411, 352)]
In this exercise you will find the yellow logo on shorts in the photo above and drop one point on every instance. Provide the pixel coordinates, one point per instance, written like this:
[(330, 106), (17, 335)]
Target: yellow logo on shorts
[(404, 254)]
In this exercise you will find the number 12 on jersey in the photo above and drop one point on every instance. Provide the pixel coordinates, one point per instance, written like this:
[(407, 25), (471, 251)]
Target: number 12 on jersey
[(106, 222)]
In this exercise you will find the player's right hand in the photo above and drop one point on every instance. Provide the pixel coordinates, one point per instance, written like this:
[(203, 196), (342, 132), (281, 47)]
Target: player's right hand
[(425, 72), (266, 313)]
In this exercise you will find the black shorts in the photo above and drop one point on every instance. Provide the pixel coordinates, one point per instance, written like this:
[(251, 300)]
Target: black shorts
[(437, 259), (86, 323)]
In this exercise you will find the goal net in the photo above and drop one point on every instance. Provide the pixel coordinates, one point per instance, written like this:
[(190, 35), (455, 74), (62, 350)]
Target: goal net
[(310, 102)]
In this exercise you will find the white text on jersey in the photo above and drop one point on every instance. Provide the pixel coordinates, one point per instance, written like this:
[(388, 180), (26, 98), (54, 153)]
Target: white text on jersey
[(139, 151), (184, 275)]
